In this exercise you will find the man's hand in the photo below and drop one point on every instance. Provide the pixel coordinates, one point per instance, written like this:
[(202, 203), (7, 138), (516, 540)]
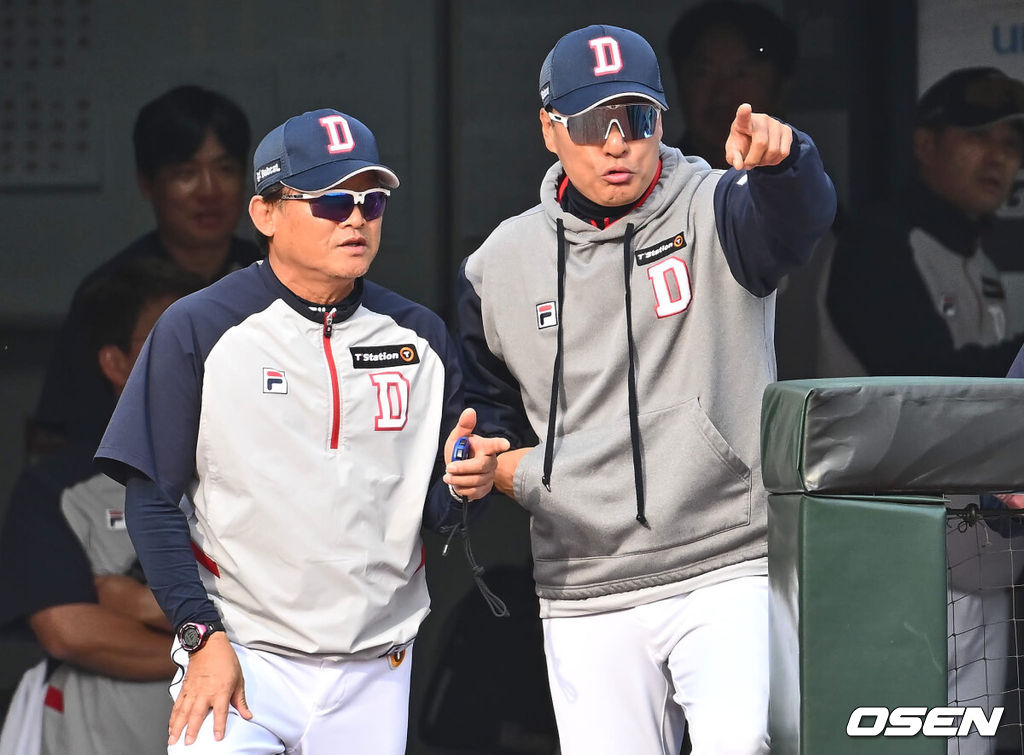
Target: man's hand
[(1012, 500), (125, 595), (504, 475), (756, 139), (212, 680), (472, 477)]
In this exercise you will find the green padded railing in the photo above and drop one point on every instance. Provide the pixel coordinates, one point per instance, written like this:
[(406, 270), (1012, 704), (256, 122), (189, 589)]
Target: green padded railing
[(856, 469)]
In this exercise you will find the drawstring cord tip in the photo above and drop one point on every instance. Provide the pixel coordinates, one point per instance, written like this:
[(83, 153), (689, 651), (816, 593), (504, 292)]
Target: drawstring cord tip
[(497, 606)]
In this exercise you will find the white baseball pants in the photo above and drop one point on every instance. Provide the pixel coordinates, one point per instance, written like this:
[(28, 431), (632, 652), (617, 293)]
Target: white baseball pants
[(306, 706), (625, 681)]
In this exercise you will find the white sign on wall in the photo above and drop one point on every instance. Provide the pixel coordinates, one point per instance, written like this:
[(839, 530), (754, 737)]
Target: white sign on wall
[(959, 33)]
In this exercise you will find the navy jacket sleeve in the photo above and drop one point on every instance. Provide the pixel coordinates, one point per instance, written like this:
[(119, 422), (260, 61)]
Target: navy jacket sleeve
[(150, 445), (441, 510), (770, 219), (42, 561), (161, 530), (490, 387)]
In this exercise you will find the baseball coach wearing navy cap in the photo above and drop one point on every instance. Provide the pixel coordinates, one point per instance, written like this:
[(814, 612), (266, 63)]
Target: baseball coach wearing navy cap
[(619, 334), (306, 415)]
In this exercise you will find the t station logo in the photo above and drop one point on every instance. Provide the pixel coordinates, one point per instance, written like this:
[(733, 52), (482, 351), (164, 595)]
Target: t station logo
[(374, 357)]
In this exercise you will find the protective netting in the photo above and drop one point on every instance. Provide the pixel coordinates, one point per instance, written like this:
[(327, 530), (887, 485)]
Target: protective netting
[(985, 615)]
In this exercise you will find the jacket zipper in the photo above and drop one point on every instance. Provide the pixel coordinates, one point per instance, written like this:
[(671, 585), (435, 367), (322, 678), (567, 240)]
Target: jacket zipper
[(335, 390)]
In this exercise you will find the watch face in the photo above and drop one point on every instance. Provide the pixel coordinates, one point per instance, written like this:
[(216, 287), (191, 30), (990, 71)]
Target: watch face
[(190, 637)]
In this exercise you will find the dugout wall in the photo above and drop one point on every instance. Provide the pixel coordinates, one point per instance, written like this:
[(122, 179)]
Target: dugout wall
[(857, 469)]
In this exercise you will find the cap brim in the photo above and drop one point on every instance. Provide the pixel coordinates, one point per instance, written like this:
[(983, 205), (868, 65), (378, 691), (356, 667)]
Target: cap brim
[(327, 176), (585, 98), (1016, 119)]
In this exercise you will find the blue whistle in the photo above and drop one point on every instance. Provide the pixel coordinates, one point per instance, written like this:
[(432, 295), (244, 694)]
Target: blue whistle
[(461, 449)]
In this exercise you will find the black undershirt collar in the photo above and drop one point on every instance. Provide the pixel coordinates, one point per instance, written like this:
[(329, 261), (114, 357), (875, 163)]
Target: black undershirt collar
[(597, 215), (571, 200)]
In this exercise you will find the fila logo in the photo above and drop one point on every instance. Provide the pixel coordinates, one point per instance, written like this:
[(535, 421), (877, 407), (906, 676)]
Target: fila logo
[(671, 281), (338, 133), (948, 305), (115, 520), (547, 315), (392, 400), (608, 57), (274, 381)]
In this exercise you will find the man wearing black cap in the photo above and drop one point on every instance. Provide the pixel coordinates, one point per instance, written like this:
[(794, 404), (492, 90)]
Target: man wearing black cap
[(911, 290), (302, 413), (619, 334)]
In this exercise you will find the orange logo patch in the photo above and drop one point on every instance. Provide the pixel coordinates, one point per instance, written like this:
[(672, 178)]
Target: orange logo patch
[(395, 659)]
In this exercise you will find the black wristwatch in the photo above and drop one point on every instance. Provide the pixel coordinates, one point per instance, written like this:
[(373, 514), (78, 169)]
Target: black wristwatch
[(193, 635)]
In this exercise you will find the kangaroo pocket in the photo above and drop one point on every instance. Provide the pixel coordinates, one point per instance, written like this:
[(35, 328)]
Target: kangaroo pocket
[(696, 487)]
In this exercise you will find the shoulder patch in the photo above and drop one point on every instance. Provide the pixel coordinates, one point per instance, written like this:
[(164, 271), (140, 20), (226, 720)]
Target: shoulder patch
[(661, 249), (274, 380), (547, 315), (115, 520), (372, 357)]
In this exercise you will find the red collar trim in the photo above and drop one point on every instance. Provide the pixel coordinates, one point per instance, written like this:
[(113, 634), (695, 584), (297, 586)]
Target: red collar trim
[(561, 188), (609, 221), (657, 175)]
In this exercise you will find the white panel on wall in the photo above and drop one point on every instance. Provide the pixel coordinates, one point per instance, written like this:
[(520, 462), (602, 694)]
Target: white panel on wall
[(954, 34), (50, 125)]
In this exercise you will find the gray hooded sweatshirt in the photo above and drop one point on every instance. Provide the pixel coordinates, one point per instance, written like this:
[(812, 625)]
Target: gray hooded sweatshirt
[(646, 470)]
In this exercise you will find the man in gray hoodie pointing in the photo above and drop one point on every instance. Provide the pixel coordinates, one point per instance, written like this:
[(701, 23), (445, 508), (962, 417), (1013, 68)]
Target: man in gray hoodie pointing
[(620, 335)]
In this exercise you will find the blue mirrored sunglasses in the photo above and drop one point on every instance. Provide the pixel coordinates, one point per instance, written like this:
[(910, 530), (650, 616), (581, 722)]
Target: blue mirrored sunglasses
[(338, 204), (635, 121)]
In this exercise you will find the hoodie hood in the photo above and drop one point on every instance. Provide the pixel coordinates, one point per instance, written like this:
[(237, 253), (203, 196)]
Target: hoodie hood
[(677, 171)]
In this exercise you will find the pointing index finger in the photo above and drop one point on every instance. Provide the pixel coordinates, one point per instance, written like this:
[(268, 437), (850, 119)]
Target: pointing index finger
[(743, 117)]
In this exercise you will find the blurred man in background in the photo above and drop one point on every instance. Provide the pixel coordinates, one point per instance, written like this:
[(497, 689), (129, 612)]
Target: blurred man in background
[(191, 149), (71, 575)]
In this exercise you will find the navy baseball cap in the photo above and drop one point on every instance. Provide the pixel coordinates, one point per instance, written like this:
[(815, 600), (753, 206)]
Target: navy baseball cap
[(589, 66), (972, 98), (317, 150)]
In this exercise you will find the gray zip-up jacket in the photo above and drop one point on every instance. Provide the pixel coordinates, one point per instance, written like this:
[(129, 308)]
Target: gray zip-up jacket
[(646, 469)]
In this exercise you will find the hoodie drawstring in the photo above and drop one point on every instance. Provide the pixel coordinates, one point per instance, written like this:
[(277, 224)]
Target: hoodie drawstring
[(634, 410), (556, 371), (634, 421)]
